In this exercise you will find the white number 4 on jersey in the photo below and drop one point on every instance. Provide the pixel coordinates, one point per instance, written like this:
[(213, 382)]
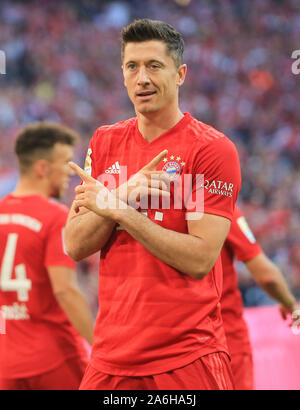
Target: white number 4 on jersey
[(21, 284)]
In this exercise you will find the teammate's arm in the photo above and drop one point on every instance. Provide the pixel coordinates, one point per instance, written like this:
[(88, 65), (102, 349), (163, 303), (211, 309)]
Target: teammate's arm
[(271, 280), (71, 299)]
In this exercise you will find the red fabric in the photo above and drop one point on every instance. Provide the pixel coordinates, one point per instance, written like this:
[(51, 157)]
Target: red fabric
[(210, 372), (240, 244), (153, 318), (242, 371), (67, 376), (39, 337)]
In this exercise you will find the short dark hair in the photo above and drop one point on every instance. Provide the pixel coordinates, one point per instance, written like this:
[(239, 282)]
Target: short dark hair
[(37, 140), (146, 29)]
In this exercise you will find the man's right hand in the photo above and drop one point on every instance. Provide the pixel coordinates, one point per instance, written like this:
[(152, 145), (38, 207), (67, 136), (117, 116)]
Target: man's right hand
[(147, 181)]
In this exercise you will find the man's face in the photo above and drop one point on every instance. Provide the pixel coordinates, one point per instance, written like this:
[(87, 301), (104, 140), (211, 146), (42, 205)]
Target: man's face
[(59, 170), (151, 76)]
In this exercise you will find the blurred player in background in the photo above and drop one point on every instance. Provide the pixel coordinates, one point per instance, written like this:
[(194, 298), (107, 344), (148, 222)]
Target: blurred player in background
[(241, 244), (159, 265), (44, 308)]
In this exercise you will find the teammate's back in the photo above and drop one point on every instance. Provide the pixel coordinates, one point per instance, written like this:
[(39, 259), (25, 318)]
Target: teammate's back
[(29, 243), (43, 308)]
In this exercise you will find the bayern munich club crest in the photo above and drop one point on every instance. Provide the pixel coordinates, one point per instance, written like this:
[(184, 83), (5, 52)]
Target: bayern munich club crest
[(173, 166)]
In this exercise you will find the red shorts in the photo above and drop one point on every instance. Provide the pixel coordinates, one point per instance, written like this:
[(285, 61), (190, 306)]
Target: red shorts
[(210, 372), (67, 376), (242, 371)]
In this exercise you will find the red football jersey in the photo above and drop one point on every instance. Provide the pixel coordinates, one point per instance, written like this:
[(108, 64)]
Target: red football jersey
[(39, 336), (240, 244), (153, 318)]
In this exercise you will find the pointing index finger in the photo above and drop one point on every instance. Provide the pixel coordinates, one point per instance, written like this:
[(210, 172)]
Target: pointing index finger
[(81, 172), (155, 161)]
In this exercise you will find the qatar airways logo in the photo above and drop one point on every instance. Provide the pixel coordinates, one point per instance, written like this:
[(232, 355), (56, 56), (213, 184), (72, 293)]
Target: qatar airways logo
[(183, 191), (150, 188), (219, 187)]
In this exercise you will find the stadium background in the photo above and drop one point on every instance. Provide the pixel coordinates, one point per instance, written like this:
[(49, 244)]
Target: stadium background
[(63, 64)]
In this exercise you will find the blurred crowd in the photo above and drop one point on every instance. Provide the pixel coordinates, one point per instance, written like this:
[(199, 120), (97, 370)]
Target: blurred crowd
[(63, 64)]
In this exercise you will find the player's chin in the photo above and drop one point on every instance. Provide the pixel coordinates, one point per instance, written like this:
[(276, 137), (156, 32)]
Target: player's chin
[(146, 108)]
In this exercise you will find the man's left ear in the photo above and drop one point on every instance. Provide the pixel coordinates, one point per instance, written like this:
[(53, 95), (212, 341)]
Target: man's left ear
[(181, 73)]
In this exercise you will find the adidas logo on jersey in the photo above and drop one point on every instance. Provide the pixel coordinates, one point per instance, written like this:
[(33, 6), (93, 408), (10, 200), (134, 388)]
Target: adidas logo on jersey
[(114, 169)]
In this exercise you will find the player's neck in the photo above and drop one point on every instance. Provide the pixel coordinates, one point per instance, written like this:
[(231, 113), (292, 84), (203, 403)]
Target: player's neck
[(152, 125), (28, 186)]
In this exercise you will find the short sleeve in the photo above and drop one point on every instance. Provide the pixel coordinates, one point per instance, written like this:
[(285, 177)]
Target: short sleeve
[(241, 240), (55, 253), (216, 178)]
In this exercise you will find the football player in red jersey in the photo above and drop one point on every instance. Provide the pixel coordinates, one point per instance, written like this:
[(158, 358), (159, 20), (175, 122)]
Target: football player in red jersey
[(46, 314), (158, 264), (241, 245)]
